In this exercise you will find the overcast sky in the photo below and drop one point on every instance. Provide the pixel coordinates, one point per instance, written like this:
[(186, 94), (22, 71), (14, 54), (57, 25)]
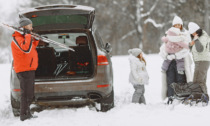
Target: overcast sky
[(9, 9)]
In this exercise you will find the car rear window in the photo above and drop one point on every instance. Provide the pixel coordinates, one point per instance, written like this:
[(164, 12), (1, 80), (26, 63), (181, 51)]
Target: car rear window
[(69, 39), (59, 19)]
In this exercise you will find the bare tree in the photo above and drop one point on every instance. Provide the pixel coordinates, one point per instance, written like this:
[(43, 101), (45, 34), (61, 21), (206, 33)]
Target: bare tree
[(128, 24), (206, 17)]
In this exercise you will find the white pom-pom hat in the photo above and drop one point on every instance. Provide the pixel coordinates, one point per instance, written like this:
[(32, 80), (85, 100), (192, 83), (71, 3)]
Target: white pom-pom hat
[(177, 20), (193, 27), (135, 51)]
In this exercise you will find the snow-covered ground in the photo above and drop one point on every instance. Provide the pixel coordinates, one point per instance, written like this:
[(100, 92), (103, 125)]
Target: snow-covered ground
[(125, 113)]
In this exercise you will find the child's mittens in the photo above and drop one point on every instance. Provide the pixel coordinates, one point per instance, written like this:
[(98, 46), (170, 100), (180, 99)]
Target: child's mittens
[(140, 80), (171, 57), (164, 39)]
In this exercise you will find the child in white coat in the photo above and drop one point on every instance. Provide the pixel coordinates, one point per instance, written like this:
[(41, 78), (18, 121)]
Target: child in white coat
[(138, 76)]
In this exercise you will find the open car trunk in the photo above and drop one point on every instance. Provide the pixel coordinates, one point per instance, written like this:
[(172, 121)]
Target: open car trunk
[(56, 63)]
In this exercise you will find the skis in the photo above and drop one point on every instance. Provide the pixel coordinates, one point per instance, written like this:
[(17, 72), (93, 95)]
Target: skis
[(37, 36)]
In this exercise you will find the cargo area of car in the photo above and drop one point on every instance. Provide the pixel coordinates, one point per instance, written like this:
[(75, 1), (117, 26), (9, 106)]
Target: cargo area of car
[(57, 63)]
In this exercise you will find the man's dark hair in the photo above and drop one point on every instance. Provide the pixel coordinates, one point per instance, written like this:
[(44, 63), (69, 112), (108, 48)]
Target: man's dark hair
[(199, 32)]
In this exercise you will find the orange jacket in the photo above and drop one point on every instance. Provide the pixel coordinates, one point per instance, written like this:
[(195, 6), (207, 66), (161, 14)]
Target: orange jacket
[(25, 57)]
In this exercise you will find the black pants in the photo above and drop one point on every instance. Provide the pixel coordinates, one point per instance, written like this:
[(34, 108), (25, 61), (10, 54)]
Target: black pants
[(174, 76), (27, 90)]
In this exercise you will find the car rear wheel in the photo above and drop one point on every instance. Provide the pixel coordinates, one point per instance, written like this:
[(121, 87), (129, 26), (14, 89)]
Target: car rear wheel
[(15, 106), (108, 102)]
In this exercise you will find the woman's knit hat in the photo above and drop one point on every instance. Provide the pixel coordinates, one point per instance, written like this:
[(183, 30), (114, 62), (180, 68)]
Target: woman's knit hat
[(193, 27), (177, 20), (24, 21), (135, 51)]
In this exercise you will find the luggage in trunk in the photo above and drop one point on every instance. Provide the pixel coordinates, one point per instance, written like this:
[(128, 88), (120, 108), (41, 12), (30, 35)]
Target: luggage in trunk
[(57, 63)]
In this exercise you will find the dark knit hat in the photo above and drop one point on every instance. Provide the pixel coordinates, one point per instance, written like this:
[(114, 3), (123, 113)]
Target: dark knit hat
[(24, 21)]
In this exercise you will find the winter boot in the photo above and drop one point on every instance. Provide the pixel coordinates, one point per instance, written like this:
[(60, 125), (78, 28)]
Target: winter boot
[(170, 100)]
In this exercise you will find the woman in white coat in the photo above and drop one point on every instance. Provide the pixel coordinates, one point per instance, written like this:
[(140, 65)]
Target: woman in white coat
[(138, 76), (172, 74)]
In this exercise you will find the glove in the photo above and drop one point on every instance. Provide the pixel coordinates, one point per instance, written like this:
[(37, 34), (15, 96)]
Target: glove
[(171, 57), (164, 39), (195, 37), (26, 31)]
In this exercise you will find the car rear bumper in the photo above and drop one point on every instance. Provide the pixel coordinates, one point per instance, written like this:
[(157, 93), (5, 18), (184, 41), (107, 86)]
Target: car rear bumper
[(72, 102)]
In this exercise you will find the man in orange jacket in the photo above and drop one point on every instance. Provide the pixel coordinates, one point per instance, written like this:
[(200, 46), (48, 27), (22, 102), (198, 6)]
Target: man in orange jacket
[(25, 62)]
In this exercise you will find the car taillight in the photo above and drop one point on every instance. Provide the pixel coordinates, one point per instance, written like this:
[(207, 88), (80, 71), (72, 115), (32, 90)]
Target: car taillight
[(102, 60), (16, 90), (103, 86)]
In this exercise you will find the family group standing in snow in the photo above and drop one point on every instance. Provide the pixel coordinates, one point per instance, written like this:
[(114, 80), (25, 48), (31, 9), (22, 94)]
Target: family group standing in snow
[(175, 51)]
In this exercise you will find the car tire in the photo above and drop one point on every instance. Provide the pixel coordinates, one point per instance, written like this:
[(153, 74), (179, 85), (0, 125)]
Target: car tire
[(15, 106), (107, 103)]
